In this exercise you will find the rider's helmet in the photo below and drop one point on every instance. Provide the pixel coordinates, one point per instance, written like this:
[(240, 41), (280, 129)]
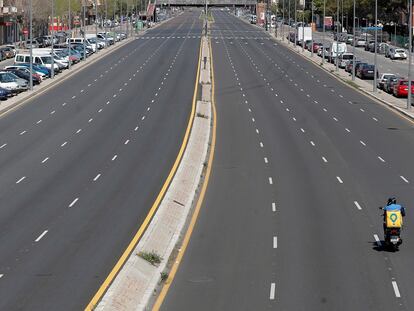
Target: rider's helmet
[(392, 200)]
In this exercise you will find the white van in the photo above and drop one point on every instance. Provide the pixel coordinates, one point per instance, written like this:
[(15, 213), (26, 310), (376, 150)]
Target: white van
[(43, 60), (61, 61), (80, 40), (337, 48)]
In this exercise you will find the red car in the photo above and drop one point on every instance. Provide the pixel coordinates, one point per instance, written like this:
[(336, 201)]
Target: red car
[(401, 88)]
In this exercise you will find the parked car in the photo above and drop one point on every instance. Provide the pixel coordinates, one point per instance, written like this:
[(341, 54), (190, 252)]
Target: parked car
[(4, 93), (367, 43), (389, 84), (349, 65), (350, 39), (13, 83), (366, 71), (38, 74), (395, 53), (360, 42), (326, 53), (383, 79), (401, 88), (316, 46), (23, 75), (37, 68), (344, 58), (383, 48), (34, 44), (6, 52)]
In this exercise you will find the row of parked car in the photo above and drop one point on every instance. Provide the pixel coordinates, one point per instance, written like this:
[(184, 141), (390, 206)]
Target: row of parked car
[(388, 82), (15, 78)]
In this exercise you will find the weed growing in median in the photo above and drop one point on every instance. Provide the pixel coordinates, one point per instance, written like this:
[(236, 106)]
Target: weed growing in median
[(164, 276), (152, 257)]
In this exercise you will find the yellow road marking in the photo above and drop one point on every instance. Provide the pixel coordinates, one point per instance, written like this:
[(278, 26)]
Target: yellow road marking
[(121, 261), (193, 221)]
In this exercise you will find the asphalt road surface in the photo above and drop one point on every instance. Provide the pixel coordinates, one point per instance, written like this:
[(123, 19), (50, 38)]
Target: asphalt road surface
[(81, 165), (290, 220)]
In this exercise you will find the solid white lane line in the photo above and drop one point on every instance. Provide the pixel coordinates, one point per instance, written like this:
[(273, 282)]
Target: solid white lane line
[(265, 160), (405, 179), (275, 242), (126, 142), (2, 146), (381, 159), (377, 239), (22, 133), (45, 159), (20, 180), (339, 179), (324, 160), (273, 207), (114, 157), (261, 144), (272, 291), (396, 290), (364, 144), (41, 236), (73, 202), (64, 144), (97, 177), (357, 205)]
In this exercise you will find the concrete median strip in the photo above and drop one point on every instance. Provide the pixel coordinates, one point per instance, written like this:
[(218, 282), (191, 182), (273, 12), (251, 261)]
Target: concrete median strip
[(147, 266)]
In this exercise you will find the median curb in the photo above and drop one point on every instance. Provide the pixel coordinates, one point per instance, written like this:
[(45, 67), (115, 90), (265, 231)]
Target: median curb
[(137, 283)]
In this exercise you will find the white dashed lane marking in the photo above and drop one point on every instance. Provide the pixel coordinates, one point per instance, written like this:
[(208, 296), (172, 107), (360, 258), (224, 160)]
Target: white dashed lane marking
[(396, 290), (41, 236), (357, 205), (73, 202)]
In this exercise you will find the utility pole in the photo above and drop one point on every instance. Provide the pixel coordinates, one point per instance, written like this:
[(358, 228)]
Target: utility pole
[(374, 85), (337, 34), (96, 25), (323, 33), (410, 51), (353, 47), (296, 28), (52, 74), (283, 19), (303, 25), (312, 29), (70, 32), (31, 43)]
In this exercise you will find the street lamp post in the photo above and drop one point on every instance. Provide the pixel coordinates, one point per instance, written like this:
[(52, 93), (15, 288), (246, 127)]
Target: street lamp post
[(283, 19), (52, 22), (303, 25), (31, 45), (70, 32), (289, 25), (312, 28), (96, 25), (84, 29), (374, 85), (323, 33), (410, 50), (337, 35), (296, 28), (353, 47)]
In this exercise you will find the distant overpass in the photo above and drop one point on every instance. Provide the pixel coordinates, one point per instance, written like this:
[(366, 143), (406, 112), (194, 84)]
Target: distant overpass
[(210, 2)]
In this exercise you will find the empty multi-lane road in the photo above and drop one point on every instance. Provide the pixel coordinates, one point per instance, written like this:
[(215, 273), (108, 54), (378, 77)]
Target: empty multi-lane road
[(290, 220), (302, 163), (82, 164)]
